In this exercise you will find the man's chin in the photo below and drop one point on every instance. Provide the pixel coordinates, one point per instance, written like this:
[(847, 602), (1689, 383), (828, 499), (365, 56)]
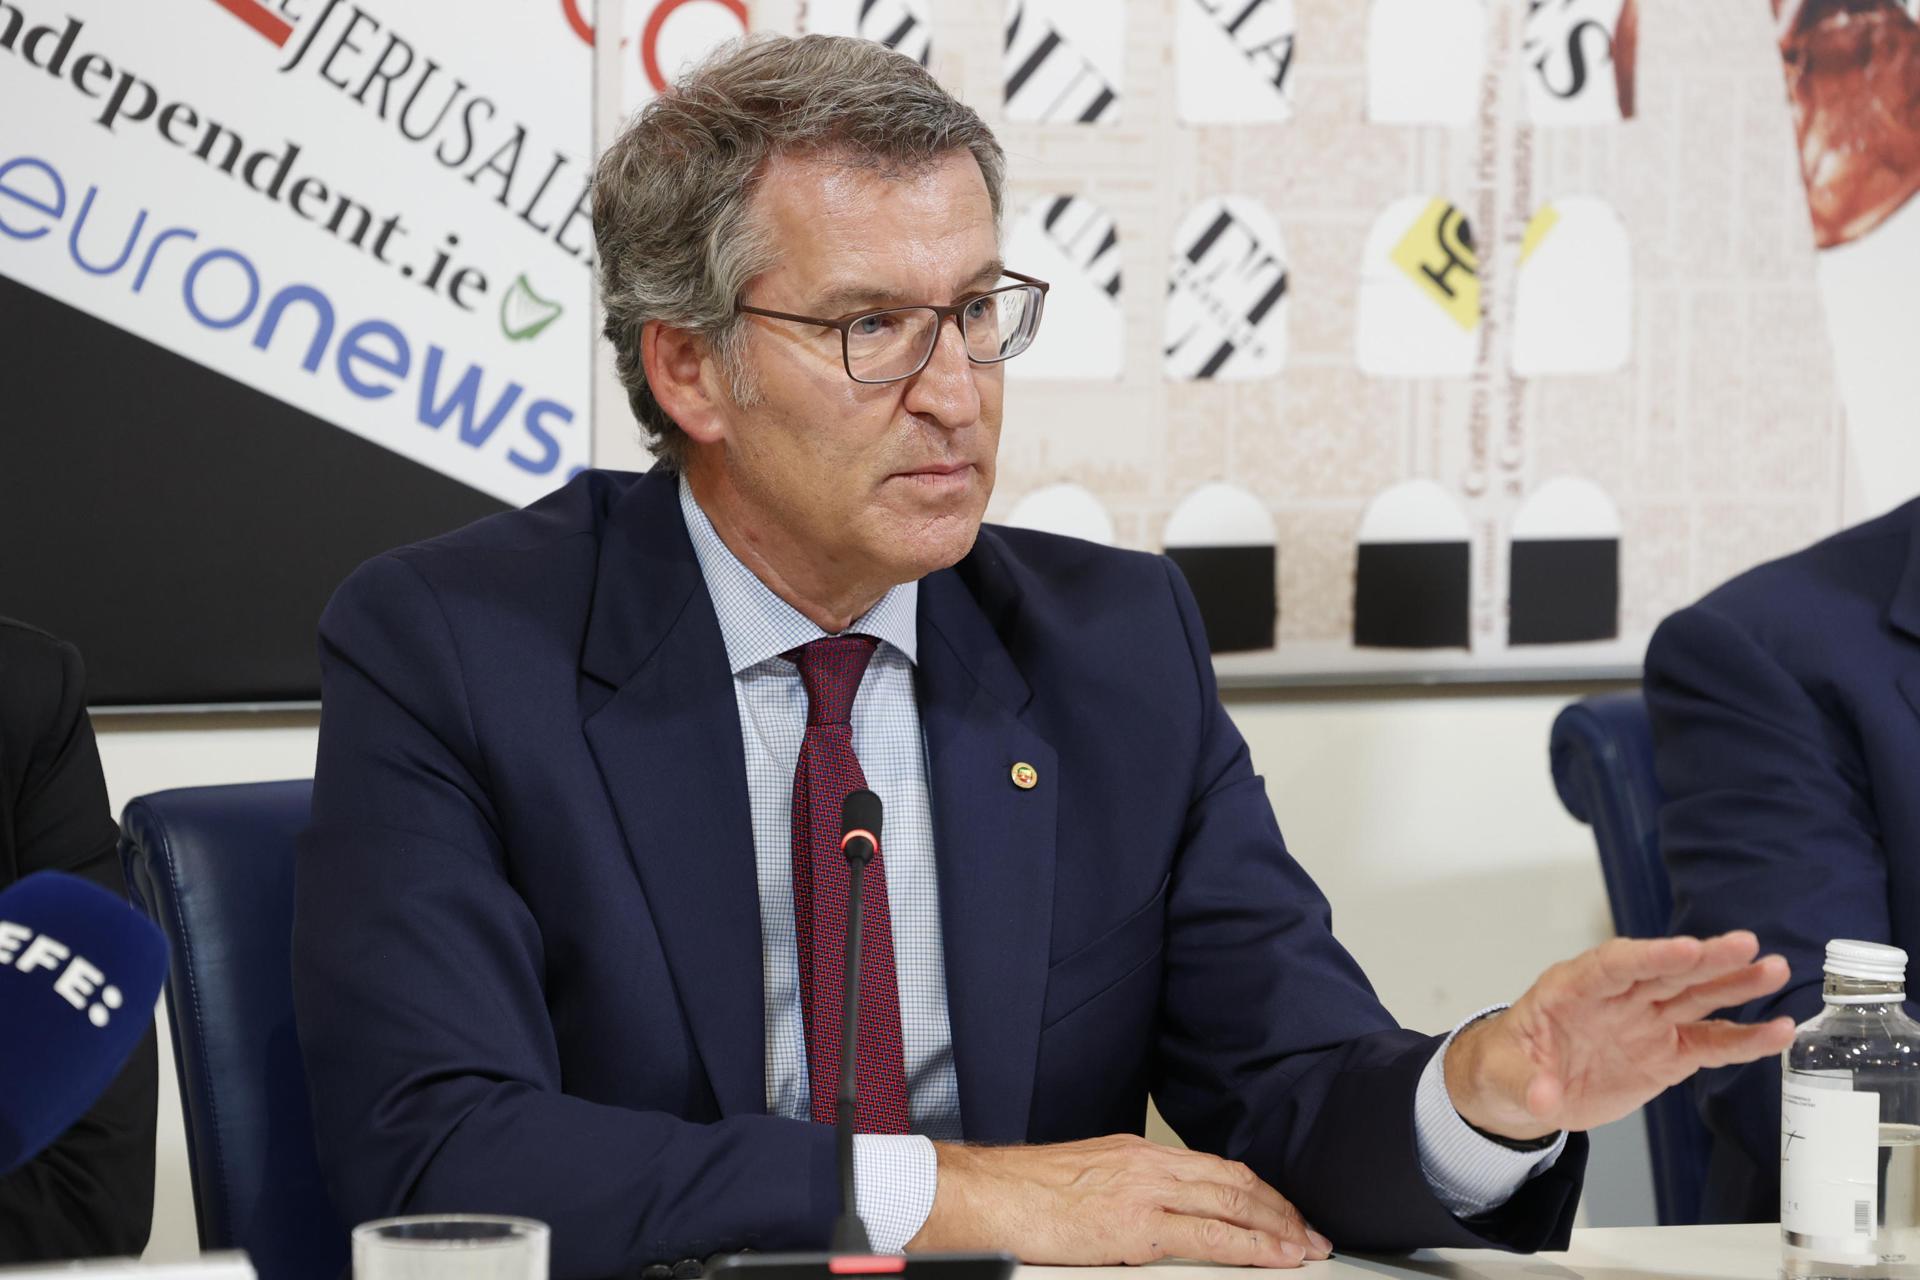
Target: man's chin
[(958, 550), (929, 527), (933, 546)]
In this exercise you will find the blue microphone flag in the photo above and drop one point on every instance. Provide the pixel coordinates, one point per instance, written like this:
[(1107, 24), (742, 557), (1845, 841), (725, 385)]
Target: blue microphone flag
[(79, 973)]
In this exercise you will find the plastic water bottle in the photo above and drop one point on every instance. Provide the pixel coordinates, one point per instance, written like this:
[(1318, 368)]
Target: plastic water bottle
[(1850, 1126)]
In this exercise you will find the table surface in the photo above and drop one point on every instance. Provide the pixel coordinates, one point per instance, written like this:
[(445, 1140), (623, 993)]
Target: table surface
[(1747, 1252)]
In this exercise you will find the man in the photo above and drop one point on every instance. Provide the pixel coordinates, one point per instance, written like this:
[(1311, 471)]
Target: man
[(570, 912), (90, 1194), (1786, 712)]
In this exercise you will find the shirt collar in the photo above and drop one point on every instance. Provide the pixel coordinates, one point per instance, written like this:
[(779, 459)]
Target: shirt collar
[(756, 624)]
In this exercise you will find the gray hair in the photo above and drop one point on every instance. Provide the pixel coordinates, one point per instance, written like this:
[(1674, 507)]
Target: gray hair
[(673, 214)]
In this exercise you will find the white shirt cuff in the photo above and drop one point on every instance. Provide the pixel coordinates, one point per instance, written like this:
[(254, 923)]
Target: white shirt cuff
[(894, 1178), (1469, 1173)]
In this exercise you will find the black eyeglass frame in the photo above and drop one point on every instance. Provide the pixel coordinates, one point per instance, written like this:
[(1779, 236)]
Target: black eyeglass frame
[(941, 315)]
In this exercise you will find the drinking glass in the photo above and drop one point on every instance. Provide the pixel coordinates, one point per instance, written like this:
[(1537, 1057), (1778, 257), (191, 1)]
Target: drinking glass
[(452, 1246)]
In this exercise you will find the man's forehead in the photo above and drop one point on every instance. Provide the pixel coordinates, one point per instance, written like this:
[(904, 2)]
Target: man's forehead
[(845, 228), (837, 182)]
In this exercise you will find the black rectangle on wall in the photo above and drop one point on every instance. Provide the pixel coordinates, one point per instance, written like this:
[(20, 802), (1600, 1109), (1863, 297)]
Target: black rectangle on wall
[(179, 527), (1235, 589), (1411, 595), (1563, 591)]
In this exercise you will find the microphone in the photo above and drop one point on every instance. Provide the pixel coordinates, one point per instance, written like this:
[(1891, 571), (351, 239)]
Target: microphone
[(859, 840), (851, 1253), (80, 971)]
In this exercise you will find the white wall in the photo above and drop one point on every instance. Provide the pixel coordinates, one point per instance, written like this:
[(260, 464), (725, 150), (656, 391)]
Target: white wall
[(1428, 818)]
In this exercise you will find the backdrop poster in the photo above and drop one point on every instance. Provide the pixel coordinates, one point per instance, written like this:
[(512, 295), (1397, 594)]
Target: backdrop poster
[(321, 270), (1853, 79), (1504, 314)]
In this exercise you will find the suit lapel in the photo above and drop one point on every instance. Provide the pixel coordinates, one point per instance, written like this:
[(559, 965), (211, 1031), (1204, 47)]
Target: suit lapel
[(995, 846), (1903, 612), (667, 743)]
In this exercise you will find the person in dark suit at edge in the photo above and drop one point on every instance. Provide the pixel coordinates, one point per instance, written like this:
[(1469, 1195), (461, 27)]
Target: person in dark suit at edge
[(567, 915), (1786, 720), (90, 1194)]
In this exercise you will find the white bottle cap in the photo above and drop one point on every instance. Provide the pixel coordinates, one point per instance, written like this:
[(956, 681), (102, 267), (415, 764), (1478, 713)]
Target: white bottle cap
[(1867, 961)]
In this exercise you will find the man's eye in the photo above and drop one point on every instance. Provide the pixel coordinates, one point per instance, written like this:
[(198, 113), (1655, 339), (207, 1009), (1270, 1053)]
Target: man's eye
[(978, 308), (872, 326)]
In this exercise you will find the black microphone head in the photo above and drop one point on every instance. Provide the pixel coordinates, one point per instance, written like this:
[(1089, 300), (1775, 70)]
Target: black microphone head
[(79, 973), (860, 811)]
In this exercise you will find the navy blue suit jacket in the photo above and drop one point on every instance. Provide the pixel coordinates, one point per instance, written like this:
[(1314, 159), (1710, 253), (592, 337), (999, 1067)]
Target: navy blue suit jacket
[(527, 953), (1786, 715)]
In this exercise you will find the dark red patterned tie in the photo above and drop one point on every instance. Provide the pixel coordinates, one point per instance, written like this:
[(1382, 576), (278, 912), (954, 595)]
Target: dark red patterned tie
[(824, 776)]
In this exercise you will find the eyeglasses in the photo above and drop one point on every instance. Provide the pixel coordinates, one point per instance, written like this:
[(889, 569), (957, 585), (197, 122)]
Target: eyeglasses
[(886, 346)]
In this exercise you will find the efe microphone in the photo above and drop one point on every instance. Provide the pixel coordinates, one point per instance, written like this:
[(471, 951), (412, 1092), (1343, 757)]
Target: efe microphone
[(79, 973)]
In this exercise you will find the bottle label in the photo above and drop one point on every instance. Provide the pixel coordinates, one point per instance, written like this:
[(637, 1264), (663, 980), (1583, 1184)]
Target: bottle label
[(1829, 1160)]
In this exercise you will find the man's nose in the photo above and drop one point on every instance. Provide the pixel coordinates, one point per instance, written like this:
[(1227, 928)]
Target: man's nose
[(945, 389)]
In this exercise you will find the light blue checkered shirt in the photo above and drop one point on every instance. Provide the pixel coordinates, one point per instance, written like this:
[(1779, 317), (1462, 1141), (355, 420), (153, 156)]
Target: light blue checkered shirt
[(896, 1175)]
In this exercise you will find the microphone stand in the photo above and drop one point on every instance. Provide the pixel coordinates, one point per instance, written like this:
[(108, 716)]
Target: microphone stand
[(852, 1253), (850, 1233)]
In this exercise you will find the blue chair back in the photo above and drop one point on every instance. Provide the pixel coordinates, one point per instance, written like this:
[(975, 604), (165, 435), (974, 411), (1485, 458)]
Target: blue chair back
[(213, 867), (1602, 750)]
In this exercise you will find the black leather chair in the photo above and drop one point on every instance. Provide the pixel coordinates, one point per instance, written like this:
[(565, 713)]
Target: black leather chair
[(1602, 751), (213, 866)]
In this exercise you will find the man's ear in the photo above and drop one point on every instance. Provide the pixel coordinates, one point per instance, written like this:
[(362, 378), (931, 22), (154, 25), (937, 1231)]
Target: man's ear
[(684, 378)]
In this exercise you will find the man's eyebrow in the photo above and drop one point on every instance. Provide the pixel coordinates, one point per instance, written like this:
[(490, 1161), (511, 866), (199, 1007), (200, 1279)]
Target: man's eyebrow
[(986, 275), (849, 298)]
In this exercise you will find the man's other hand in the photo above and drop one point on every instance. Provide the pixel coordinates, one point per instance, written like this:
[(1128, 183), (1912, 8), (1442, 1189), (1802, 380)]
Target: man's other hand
[(1116, 1200), (1601, 1034)]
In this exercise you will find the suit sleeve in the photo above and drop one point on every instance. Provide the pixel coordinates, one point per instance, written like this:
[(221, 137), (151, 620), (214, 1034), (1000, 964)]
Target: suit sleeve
[(1767, 825), (419, 984), (90, 1194), (1274, 1049)]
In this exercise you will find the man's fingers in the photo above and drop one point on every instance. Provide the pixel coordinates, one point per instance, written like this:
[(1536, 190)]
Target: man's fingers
[(1239, 1206), (1202, 1239), (1616, 967), (1205, 1169), (1721, 1044), (1763, 977), (1717, 958)]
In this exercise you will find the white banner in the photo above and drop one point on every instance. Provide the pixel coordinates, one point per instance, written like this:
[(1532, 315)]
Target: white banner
[(374, 210)]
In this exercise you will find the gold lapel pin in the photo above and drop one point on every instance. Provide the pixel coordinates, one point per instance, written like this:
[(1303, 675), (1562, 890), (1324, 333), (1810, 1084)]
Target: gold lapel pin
[(1025, 776)]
